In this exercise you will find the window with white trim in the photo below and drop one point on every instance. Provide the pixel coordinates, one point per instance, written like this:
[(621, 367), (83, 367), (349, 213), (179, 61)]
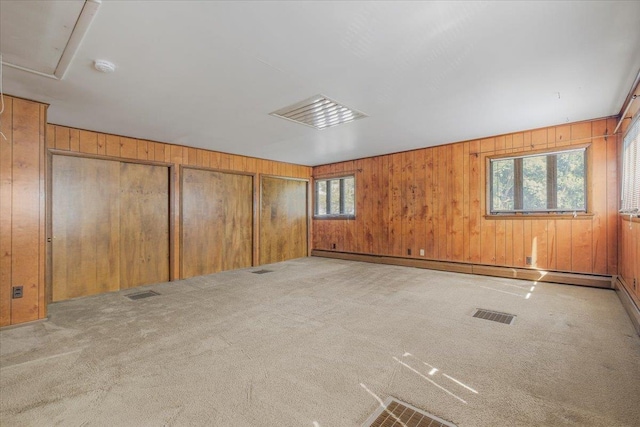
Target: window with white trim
[(630, 203), (336, 197), (537, 183)]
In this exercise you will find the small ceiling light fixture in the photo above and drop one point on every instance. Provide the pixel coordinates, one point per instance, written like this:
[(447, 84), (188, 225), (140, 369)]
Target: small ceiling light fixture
[(104, 66), (319, 112)]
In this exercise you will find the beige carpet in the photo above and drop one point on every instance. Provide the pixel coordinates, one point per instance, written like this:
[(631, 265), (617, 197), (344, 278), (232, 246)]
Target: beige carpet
[(317, 343)]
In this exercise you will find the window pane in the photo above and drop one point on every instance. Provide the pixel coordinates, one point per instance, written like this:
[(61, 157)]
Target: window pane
[(321, 199), (630, 202), (335, 196), (570, 178), (349, 196), (534, 183), (502, 185)]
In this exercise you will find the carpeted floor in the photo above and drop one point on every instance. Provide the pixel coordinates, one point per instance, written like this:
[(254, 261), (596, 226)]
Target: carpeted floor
[(319, 342)]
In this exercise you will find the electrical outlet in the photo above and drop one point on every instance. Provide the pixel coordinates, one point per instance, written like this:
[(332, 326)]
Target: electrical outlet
[(16, 292), (528, 260), (408, 251), (333, 246), (421, 252)]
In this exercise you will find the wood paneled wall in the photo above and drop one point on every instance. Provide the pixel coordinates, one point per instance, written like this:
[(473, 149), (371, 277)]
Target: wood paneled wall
[(630, 257), (629, 244), (23, 164), (62, 138), (434, 199), (22, 210)]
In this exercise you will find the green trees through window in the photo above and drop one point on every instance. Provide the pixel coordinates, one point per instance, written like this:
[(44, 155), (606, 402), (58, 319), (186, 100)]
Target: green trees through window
[(549, 182), (335, 197)]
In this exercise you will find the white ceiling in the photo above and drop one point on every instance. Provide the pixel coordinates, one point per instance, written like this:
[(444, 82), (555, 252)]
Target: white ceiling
[(207, 74)]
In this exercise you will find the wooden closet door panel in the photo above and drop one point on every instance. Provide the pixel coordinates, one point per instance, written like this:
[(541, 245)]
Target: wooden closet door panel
[(144, 224), (85, 210), (217, 221), (283, 220)]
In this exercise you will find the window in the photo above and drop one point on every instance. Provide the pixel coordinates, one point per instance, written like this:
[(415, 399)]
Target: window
[(336, 197), (631, 170), (547, 182)]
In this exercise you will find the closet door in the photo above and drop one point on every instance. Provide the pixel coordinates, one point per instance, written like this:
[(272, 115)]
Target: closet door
[(86, 228), (144, 224), (217, 221), (283, 219)]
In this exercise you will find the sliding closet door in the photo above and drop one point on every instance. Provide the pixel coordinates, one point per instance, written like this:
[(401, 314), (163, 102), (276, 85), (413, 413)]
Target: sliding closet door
[(144, 224), (283, 219), (217, 221), (85, 223), (110, 223)]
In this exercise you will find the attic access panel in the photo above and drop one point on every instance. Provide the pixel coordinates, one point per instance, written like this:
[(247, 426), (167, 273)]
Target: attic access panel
[(42, 37)]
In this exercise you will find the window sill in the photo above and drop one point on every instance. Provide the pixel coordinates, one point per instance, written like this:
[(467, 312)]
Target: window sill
[(626, 217), (550, 215), (334, 217)]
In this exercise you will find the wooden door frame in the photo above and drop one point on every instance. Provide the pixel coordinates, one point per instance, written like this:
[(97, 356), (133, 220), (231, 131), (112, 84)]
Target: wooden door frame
[(254, 176), (171, 169), (307, 202)]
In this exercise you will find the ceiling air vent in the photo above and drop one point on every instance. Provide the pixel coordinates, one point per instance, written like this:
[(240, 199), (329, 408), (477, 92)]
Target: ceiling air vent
[(319, 112)]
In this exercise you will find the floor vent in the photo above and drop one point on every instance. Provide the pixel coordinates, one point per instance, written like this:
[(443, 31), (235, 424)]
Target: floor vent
[(495, 316), (262, 271), (141, 295), (398, 414)]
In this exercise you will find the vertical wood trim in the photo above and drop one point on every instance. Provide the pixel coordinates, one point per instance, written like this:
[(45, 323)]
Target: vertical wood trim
[(6, 207), (26, 209)]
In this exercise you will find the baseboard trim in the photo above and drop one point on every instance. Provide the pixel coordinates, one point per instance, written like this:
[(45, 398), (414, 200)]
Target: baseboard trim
[(628, 303), (19, 325), (591, 280)]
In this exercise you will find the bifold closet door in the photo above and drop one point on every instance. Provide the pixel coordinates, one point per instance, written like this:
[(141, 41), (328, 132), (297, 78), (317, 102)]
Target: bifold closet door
[(144, 224), (283, 219), (217, 221), (85, 204)]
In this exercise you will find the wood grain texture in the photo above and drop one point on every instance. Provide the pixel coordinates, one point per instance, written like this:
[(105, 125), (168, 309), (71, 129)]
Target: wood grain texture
[(23, 192), (449, 208), (283, 219), (144, 224), (85, 227), (6, 171), (628, 233), (630, 257), (27, 208), (217, 221), (118, 147)]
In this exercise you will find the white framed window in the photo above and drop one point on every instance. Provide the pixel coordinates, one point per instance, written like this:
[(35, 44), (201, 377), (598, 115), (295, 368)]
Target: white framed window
[(630, 199), (538, 182), (335, 197)]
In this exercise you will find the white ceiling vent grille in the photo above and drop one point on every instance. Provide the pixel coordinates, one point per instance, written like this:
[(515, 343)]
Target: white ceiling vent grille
[(319, 112)]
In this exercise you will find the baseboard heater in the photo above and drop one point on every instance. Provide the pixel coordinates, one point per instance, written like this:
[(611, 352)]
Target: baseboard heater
[(628, 303), (592, 280)]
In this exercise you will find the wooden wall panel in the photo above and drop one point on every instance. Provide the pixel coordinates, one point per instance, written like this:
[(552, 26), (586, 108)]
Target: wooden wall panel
[(85, 227), (144, 224), (629, 229), (216, 207), (22, 210), (6, 170), (449, 208), (283, 219), (630, 257), (23, 193), (118, 147)]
